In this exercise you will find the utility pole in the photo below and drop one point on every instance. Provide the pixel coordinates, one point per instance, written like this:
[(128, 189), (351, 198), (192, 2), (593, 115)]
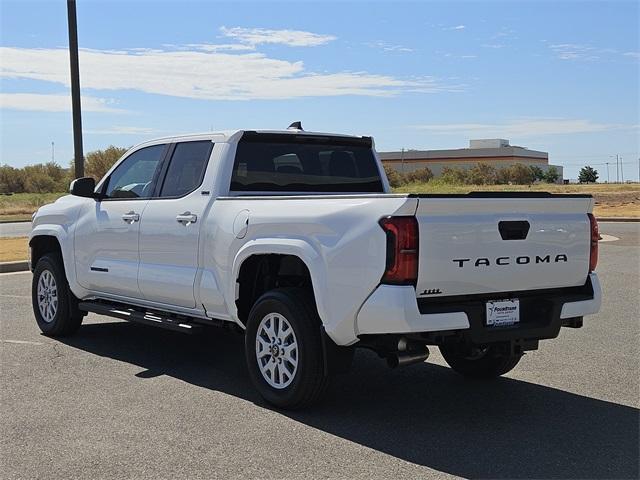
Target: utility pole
[(78, 155), (53, 153), (617, 169), (621, 170), (402, 160), (607, 172)]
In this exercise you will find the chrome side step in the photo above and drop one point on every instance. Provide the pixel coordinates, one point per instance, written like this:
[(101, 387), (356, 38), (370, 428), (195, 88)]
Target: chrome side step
[(125, 312)]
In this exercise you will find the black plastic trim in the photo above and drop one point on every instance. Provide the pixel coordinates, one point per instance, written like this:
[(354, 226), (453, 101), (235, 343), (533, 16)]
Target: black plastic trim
[(539, 314), (500, 195), (252, 136)]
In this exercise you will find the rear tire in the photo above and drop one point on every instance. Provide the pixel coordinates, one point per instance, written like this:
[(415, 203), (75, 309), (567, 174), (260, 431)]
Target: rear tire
[(283, 348), (482, 364), (54, 306)]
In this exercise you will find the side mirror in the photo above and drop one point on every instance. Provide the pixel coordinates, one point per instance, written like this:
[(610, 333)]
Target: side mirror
[(83, 187)]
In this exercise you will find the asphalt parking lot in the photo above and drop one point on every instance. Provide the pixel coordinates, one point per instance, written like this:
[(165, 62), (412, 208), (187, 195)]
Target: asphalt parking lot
[(120, 400)]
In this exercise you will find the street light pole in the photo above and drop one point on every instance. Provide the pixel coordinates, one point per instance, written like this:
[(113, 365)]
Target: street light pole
[(78, 155), (607, 172)]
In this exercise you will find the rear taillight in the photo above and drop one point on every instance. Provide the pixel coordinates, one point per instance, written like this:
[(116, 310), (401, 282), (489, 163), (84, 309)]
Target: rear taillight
[(402, 250), (595, 236)]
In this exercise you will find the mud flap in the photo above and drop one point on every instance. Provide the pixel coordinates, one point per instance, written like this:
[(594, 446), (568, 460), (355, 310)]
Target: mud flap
[(336, 359)]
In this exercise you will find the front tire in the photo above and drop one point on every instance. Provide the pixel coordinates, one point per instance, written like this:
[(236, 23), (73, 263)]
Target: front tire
[(54, 306), (283, 349), (479, 363)]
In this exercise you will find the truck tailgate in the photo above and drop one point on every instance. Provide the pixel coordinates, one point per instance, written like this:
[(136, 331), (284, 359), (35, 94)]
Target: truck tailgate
[(498, 243)]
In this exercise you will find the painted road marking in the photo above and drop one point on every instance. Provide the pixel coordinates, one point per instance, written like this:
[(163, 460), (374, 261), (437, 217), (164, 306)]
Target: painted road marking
[(607, 238), (22, 342)]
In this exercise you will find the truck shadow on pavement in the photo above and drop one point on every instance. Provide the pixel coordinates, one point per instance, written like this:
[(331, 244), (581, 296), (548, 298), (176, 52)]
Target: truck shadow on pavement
[(423, 414)]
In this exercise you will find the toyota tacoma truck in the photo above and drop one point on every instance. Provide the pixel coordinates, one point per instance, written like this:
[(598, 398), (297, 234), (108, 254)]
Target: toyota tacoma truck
[(295, 239)]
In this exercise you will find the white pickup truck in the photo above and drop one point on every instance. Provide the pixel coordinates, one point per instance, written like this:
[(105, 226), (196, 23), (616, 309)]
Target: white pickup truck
[(294, 239)]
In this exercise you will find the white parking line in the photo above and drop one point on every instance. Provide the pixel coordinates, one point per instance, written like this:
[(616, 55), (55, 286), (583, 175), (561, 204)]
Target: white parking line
[(607, 238), (21, 342)]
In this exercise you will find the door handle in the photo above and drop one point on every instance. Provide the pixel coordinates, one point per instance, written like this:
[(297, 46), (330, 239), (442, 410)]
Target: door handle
[(187, 218), (131, 217)]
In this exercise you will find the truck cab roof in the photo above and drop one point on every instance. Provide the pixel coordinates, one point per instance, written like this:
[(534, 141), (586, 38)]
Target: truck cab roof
[(230, 136)]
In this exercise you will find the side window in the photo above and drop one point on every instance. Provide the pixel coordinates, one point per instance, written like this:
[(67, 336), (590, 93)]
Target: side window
[(134, 177), (186, 168)]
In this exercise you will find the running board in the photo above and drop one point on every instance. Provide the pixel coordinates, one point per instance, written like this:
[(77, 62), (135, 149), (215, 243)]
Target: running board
[(127, 313)]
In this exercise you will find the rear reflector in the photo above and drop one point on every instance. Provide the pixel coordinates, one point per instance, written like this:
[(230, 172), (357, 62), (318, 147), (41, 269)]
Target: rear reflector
[(595, 236), (402, 250)]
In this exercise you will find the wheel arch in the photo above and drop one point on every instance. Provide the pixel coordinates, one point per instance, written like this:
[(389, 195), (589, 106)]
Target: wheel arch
[(45, 239), (41, 245), (294, 257)]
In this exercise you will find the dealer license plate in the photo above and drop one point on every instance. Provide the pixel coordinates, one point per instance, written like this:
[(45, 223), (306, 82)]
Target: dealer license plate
[(503, 312)]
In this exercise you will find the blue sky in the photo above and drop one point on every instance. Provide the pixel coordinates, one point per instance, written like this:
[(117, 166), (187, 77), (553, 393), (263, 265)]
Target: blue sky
[(562, 77)]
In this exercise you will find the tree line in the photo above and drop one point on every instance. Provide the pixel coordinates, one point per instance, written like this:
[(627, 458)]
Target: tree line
[(480, 174), (51, 177)]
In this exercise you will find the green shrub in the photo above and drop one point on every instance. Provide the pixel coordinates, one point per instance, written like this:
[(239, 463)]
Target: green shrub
[(588, 174), (98, 162), (481, 174), (517, 173), (454, 175), (551, 175), (421, 175), (538, 173), (396, 179)]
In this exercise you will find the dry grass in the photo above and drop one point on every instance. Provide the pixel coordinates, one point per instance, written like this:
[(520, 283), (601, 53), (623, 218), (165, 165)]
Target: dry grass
[(20, 206), (14, 248)]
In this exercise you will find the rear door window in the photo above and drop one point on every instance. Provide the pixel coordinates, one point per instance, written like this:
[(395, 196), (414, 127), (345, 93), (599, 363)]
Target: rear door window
[(186, 169)]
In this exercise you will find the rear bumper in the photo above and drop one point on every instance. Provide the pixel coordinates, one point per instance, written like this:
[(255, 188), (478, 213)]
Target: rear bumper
[(395, 310)]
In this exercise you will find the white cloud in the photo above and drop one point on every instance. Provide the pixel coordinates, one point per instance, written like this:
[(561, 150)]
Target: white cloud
[(492, 45), (453, 55), (201, 74), (212, 47), (292, 38), (53, 103), (389, 47), (457, 27), (522, 128), (572, 51), (632, 54)]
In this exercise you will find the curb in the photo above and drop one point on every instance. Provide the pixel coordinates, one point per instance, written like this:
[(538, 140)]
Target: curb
[(14, 221), (9, 267), (618, 219)]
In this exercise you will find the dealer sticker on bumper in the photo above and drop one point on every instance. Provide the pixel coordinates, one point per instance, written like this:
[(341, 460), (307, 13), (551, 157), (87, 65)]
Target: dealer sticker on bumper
[(503, 312)]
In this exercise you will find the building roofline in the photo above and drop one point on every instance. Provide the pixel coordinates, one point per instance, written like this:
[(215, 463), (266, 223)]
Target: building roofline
[(511, 151)]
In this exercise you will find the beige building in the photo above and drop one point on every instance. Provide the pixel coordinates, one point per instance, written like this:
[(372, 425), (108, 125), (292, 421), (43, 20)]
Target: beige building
[(495, 152)]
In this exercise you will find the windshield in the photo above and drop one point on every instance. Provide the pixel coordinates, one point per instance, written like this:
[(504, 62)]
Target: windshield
[(304, 163)]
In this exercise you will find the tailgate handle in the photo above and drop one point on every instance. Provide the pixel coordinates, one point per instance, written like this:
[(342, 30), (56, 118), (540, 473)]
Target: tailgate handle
[(513, 229)]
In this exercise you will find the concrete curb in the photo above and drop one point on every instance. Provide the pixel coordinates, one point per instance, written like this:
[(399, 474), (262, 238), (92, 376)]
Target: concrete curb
[(9, 267), (618, 219), (14, 221)]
